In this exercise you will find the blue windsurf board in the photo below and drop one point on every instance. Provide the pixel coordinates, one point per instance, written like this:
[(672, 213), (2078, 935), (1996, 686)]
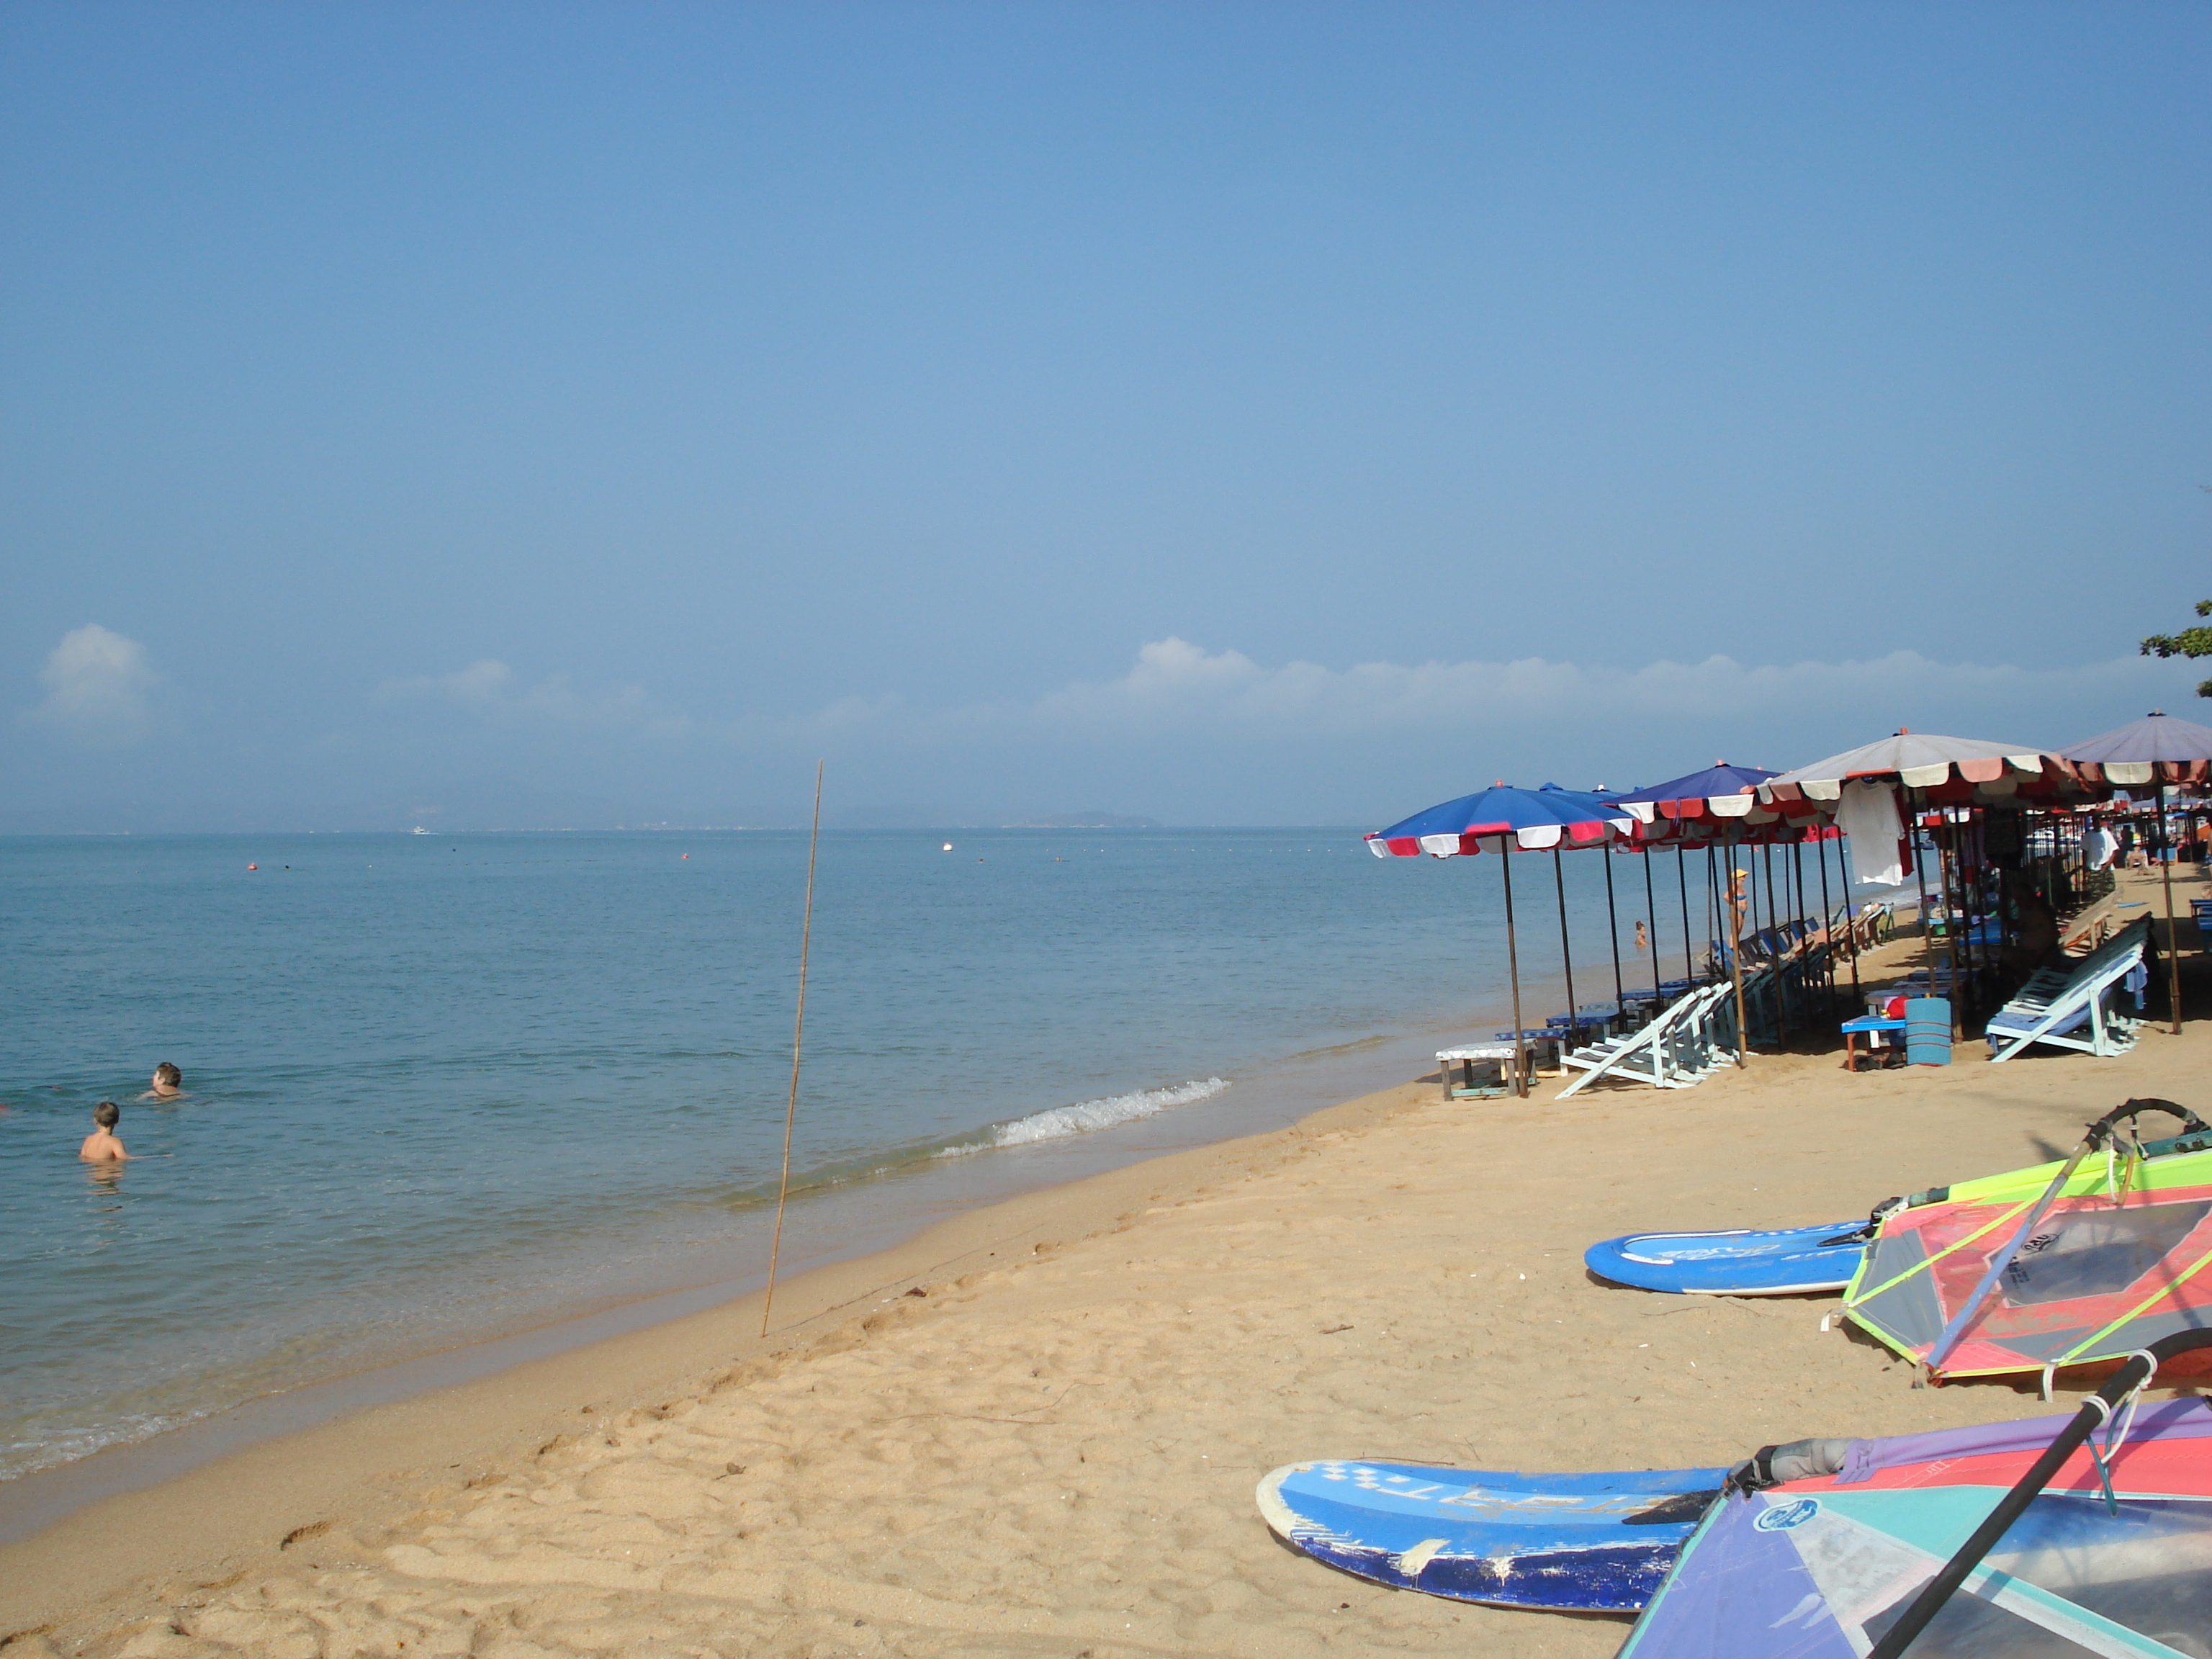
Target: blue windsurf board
[(1574, 1543), (1790, 1260)]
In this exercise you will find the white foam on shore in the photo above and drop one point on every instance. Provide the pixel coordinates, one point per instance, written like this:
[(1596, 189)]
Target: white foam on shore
[(1085, 1116)]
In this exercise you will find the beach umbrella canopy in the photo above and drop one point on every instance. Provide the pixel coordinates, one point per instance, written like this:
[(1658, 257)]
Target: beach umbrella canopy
[(1714, 791), (1949, 770), (1722, 801), (1536, 818), (2158, 748)]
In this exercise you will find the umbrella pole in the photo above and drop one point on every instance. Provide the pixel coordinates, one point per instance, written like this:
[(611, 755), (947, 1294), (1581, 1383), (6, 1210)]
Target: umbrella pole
[(1970, 902), (1920, 883), (1682, 881), (1827, 921), (1797, 877), (1513, 968), (1797, 869), (1781, 967), (1566, 954), (1706, 909), (1978, 843), (1735, 966), (1953, 914), (1652, 927), (2172, 939), (1613, 926), (1715, 927), (1850, 926)]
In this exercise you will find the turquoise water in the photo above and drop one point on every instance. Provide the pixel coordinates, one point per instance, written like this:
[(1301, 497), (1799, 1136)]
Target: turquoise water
[(441, 1088)]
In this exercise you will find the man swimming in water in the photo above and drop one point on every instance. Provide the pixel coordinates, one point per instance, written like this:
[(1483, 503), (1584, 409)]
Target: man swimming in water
[(168, 1084), (102, 1145)]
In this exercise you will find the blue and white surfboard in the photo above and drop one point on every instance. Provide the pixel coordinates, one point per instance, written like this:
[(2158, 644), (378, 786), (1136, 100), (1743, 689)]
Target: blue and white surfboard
[(1786, 1261), (1579, 1543)]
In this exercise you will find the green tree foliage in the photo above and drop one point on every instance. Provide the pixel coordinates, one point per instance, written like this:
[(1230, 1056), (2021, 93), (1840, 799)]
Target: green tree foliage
[(2189, 642)]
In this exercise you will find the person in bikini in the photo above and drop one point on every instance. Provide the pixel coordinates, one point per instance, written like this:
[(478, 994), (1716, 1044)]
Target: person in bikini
[(102, 1146)]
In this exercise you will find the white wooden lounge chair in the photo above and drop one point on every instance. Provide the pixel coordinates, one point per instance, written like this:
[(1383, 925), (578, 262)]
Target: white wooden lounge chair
[(1671, 1052), (2053, 1007)]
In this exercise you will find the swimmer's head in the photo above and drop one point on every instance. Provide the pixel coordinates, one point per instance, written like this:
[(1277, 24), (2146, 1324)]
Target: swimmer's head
[(107, 1114), (168, 1080)]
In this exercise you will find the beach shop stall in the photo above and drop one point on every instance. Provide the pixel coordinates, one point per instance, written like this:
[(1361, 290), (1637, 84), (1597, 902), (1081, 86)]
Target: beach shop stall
[(1510, 820), (2164, 754), (1966, 801)]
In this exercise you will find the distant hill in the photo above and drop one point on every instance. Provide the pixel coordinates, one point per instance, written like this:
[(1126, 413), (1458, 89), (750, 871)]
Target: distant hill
[(1085, 820)]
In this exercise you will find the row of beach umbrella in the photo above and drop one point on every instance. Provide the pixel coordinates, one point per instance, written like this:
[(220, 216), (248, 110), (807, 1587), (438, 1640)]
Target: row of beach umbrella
[(1732, 806)]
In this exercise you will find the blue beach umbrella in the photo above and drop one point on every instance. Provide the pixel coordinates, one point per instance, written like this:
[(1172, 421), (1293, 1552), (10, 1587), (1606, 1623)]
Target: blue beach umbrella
[(1529, 820), (1536, 819), (1708, 797)]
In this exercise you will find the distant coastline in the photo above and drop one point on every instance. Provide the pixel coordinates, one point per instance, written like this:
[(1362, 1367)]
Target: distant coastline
[(1085, 821)]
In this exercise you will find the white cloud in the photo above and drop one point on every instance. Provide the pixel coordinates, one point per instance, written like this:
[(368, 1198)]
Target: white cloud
[(1198, 735), (492, 691), (97, 682), (1194, 735), (1175, 683), (1534, 705)]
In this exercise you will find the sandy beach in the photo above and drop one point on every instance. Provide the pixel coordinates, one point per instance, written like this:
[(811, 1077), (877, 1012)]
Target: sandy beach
[(1053, 1448)]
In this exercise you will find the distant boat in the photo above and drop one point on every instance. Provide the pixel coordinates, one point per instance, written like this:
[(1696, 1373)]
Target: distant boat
[(948, 846), (420, 830)]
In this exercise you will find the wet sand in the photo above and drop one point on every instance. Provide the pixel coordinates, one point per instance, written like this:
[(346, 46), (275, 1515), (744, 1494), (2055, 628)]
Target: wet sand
[(1054, 1449)]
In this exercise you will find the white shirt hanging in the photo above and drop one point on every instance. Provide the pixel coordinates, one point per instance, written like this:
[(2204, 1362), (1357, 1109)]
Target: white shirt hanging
[(1867, 812)]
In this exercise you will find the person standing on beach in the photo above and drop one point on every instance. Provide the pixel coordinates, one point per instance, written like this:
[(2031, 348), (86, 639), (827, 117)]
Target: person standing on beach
[(1739, 901), (102, 1146), (168, 1084)]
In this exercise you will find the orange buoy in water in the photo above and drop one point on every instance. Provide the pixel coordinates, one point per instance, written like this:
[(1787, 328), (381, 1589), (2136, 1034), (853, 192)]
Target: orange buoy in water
[(686, 855), (253, 866)]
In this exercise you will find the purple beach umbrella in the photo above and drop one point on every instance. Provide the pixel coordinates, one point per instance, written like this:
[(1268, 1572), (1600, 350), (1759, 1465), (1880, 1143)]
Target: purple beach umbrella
[(2157, 749)]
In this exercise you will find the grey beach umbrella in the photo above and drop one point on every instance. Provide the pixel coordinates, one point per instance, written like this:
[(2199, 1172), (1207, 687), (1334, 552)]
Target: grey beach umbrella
[(2158, 749)]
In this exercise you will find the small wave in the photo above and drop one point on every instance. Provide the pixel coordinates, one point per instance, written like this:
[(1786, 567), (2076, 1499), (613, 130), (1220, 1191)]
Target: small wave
[(1085, 1116)]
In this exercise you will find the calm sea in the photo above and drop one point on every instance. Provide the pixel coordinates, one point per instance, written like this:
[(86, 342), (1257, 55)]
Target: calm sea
[(442, 1088)]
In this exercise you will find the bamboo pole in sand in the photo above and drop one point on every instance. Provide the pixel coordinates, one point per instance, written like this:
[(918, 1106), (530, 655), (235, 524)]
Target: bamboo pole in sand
[(798, 1029)]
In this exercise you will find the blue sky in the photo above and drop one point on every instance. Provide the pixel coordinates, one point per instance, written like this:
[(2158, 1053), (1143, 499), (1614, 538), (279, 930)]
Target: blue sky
[(1227, 413)]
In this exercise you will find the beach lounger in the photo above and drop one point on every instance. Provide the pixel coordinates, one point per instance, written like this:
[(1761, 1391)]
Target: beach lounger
[(2079, 934), (2053, 1006), (1671, 1052)]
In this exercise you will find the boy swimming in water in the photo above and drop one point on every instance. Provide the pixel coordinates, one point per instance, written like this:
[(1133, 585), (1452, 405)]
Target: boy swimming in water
[(168, 1084), (102, 1145)]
